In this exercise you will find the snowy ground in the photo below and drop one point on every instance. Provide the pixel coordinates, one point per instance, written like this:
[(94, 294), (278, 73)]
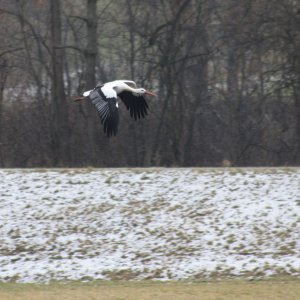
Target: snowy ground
[(148, 223)]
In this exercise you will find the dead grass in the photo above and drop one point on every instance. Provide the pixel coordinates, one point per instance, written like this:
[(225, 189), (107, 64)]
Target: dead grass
[(287, 289)]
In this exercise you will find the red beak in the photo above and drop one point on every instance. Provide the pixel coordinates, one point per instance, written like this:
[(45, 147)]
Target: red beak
[(150, 93)]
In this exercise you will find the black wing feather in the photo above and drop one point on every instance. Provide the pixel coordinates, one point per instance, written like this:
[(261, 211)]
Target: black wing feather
[(107, 110), (136, 105)]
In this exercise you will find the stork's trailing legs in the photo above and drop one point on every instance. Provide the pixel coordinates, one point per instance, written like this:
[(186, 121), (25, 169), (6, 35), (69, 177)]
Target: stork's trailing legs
[(79, 98)]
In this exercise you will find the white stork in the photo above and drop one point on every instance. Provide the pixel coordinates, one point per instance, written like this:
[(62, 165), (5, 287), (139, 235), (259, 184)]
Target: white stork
[(105, 98)]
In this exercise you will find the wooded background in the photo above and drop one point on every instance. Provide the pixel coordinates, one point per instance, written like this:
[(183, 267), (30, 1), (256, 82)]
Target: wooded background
[(227, 75)]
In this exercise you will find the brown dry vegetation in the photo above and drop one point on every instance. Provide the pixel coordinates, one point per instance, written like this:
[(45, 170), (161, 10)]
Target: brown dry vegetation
[(287, 289)]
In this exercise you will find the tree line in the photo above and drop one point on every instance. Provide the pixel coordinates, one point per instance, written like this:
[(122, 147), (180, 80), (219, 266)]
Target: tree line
[(227, 75)]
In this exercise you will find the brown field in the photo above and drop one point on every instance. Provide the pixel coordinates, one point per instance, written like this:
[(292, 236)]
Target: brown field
[(281, 289)]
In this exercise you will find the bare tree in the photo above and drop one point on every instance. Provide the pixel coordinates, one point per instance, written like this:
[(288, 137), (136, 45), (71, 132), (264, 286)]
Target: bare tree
[(3, 78), (60, 125), (226, 73)]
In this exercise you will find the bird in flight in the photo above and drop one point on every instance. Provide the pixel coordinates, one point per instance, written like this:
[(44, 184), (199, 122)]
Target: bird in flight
[(105, 98)]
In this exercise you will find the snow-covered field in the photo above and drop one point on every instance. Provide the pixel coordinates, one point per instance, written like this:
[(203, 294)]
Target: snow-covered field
[(148, 223)]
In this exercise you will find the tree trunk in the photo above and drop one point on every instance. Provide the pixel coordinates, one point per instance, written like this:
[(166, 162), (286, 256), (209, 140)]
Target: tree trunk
[(60, 130), (91, 49), (297, 116), (90, 79), (3, 76), (232, 133)]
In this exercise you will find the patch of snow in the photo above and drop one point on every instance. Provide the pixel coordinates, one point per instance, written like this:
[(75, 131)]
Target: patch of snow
[(148, 223)]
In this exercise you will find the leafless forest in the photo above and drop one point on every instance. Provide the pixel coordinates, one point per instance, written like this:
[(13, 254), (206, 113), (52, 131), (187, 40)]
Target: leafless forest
[(227, 75)]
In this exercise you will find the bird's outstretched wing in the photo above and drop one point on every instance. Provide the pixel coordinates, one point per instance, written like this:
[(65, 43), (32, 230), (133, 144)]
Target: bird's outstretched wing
[(136, 105), (107, 108)]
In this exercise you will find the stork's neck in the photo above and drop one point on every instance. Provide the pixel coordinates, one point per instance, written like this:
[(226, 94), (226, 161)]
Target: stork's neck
[(132, 90), (124, 87), (120, 89)]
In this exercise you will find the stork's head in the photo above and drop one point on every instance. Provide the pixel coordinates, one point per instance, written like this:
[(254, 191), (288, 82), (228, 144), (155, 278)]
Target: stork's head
[(142, 91)]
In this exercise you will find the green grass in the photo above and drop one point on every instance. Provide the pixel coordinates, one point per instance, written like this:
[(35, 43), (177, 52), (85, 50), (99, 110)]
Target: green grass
[(287, 288)]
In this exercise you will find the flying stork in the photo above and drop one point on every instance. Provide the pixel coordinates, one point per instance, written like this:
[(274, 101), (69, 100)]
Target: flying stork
[(105, 98)]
